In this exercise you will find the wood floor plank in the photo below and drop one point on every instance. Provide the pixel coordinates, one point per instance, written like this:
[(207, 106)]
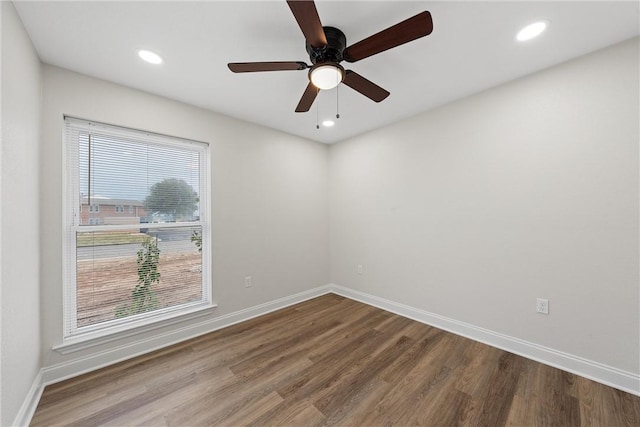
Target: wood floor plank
[(232, 396), (405, 363), (448, 408), (348, 389), (409, 389), (360, 405), (157, 409), (247, 413), (432, 391), (333, 361), (482, 361), (290, 414), (502, 388), (308, 417)]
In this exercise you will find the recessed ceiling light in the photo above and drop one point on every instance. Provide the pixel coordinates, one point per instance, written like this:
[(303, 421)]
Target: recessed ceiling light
[(328, 123), (150, 57), (532, 31)]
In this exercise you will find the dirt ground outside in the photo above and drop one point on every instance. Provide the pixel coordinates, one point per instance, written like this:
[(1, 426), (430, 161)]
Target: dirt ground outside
[(105, 284)]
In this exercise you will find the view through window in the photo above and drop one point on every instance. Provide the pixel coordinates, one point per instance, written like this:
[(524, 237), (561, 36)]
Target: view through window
[(146, 261)]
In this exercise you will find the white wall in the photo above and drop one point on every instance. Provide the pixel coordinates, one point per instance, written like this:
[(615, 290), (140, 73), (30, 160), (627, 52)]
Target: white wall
[(19, 190), (269, 198), (530, 189)]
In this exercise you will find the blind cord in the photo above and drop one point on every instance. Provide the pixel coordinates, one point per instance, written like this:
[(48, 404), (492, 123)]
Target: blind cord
[(89, 177)]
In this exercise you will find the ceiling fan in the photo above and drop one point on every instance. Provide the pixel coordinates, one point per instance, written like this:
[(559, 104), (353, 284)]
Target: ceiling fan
[(326, 47)]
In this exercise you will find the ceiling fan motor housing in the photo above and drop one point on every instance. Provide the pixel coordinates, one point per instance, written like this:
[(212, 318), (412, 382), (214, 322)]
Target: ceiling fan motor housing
[(332, 52)]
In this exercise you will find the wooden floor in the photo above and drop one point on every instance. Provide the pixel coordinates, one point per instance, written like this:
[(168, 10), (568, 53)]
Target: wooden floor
[(333, 361)]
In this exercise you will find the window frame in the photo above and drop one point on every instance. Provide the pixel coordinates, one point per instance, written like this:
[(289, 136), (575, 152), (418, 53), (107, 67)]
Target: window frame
[(105, 331)]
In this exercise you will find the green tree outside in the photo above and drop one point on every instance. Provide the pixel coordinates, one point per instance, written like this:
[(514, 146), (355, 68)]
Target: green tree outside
[(172, 196)]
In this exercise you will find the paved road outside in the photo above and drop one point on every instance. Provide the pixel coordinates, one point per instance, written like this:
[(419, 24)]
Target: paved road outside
[(130, 250)]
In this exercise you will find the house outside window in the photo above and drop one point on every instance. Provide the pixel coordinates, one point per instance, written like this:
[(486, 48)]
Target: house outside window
[(124, 272)]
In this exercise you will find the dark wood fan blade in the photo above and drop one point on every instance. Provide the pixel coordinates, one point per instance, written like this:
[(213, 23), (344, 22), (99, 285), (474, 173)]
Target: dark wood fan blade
[(366, 87), (250, 67), (306, 14), (307, 99), (408, 30)]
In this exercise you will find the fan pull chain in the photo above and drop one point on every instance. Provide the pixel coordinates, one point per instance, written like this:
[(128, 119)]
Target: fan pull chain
[(317, 116), (338, 102)]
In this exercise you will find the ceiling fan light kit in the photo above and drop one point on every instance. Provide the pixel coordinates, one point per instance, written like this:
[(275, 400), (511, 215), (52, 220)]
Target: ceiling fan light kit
[(327, 47), (326, 75)]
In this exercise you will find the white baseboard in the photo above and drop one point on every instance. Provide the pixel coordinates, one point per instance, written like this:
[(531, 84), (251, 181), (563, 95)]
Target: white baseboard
[(599, 372), (28, 408), (613, 377)]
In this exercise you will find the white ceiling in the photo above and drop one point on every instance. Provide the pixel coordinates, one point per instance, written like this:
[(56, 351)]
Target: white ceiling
[(472, 48)]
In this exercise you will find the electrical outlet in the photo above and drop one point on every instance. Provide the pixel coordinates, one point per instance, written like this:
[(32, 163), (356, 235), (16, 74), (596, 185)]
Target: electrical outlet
[(542, 305), (247, 282), (359, 268)]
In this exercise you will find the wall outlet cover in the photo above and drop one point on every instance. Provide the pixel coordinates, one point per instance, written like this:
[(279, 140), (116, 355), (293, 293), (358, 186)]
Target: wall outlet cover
[(542, 305)]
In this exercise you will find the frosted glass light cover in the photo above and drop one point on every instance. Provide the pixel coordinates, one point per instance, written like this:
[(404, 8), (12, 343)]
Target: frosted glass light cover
[(326, 77)]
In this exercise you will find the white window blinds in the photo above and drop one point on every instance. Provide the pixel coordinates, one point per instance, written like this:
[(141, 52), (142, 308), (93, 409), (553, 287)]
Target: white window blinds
[(149, 261)]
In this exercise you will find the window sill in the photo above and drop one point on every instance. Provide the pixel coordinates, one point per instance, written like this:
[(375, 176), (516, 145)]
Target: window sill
[(87, 340)]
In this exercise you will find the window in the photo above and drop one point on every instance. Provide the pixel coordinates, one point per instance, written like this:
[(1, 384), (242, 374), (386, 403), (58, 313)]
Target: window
[(131, 209), (123, 272)]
